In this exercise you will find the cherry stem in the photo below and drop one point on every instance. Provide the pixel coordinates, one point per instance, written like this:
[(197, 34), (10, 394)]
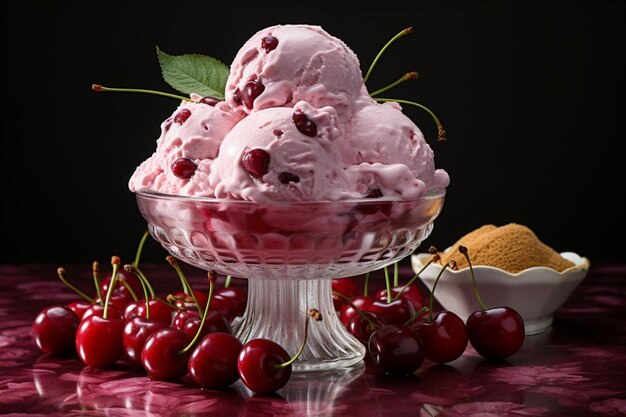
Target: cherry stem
[(388, 284), (61, 274), (227, 282), (416, 315), (396, 275), (402, 33), (212, 276), (140, 249), (97, 87), (140, 275), (463, 250), (408, 76), (432, 293), (416, 276), (441, 133), (186, 287), (366, 284), (347, 301), (130, 268), (313, 313), (115, 263), (95, 269), (129, 289)]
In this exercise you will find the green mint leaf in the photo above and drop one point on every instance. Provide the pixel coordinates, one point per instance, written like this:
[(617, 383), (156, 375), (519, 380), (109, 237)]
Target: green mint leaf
[(200, 74)]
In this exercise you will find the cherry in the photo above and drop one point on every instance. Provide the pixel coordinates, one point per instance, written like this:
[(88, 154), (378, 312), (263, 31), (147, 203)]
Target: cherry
[(162, 356), (238, 298), (184, 168), (120, 302), (181, 317), (362, 327), (305, 125), (361, 302), (251, 91), (255, 162), (209, 101), (395, 312), (237, 96), (128, 291), (411, 292), (136, 332), (269, 43), (396, 349), (99, 339), (444, 337), (213, 363), (159, 310), (79, 307), (495, 333), (54, 330), (286, 178), (264, 366), (98, 310), (182, 116), (344, 286), (215, 322)]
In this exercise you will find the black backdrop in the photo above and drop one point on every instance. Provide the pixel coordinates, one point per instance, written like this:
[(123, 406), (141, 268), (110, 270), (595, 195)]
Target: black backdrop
[(532, 97)]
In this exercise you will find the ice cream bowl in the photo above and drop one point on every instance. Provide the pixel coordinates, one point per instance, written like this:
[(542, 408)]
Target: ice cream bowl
[(289, 252), (536, 293)]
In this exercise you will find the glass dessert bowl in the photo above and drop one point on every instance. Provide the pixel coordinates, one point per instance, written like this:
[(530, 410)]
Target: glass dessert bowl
[(289, 252)]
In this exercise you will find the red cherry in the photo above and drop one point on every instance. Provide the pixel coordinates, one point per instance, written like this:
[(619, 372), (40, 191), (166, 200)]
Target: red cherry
[(238, 298), (412, 293), (79, 307), (269, 43), (99, 341), (136, 332), (396, 349), (445, 337), (182, 116), (344, 286), (362, 329), (215, 322), (209, 101), (159, 311), (119, 302), (54, 330), (213, 363), (257, 369), (496, 333), (255, 162), (98, 310), (184, 168), (161, 356), (362, 302), (305, 125), (223, 305), (120, 289), (181, 317), (396, 312), (250, 92)]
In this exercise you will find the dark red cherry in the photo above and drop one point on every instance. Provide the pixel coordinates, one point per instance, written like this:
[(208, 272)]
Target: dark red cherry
[(362, 302), (98, 310), (256, 366), (496, 333), (255, 162), (238, 298), (396, 312), (237, 96), (119, 302), (181, 317), (215, 322), (286, 178), (269, 43), (346, 287), (159, 311), (396, 349), (184, 168), (182, 116), (99, 341), (445, 337), (54, 330), (136, 331), (209, 101), (250, 92), (79, 307), (213, 363), (304, 124), (120, 290), (161, 356), (412, 293), (362, 329)]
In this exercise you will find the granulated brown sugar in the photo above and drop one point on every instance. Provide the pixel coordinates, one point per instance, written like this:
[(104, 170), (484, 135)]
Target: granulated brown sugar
[(512, 247)]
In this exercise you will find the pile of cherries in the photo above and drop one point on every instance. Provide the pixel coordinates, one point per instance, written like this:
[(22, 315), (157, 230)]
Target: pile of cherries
[(183, 333), (400, 332)]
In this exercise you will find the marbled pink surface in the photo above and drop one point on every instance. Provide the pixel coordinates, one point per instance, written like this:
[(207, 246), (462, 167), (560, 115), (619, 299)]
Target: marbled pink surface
[(574, 369)]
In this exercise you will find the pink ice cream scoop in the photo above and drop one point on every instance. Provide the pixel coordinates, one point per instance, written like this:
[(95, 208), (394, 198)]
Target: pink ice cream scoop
[(282, 65), (386, 154), (190, 140), (282, 154)]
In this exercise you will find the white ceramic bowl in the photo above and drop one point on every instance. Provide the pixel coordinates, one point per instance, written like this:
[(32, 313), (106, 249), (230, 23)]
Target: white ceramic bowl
[(536, 293)]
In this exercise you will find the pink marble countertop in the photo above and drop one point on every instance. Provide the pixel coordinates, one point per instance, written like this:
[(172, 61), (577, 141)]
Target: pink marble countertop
[(576, 368)]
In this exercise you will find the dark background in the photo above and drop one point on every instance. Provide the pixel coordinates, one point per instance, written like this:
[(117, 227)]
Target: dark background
[(531, 95)]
